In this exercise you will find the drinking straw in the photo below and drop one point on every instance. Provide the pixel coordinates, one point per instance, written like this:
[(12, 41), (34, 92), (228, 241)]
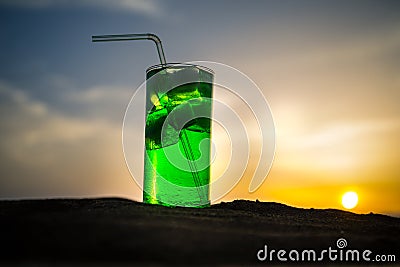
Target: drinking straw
[(135, 36), (185, 140)]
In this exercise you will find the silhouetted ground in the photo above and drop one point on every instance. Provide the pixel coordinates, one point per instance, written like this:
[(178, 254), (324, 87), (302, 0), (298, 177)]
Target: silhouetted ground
[(122, 232)]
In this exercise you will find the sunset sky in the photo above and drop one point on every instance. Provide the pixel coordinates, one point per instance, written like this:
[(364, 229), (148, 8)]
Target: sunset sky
[(330, 71)]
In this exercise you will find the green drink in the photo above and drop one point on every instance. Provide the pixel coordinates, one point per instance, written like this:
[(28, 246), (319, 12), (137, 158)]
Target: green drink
[(178, 135)]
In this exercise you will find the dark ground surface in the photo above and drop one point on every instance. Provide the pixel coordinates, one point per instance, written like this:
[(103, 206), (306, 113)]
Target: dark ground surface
[(122, 232)]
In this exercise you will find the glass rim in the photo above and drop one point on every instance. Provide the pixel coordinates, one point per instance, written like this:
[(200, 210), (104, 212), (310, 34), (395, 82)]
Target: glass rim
[(169, 65)]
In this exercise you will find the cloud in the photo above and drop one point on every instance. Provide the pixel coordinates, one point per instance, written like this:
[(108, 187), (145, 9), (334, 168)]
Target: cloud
[(46, 152), (106, 103), (29, 125), (97, 102), (101, 94), (345, 145), (146, 7), (336, 134)]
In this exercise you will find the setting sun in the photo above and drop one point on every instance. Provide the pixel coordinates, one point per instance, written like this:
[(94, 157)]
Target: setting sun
[(349, 200)]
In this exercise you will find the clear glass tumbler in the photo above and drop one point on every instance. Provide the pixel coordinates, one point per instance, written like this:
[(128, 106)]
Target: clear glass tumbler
[(178, 135)]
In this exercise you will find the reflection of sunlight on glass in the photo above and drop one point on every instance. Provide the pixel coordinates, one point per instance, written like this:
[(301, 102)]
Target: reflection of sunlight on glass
[(350, 200)]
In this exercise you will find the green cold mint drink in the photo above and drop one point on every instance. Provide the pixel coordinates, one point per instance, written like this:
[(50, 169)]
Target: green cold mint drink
[(178, 135)]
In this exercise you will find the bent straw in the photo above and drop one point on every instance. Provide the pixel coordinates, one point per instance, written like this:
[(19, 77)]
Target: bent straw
[(185, 142), (136, 36)]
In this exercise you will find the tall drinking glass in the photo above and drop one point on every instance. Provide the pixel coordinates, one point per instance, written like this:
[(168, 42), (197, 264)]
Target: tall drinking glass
[(178, 135)]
